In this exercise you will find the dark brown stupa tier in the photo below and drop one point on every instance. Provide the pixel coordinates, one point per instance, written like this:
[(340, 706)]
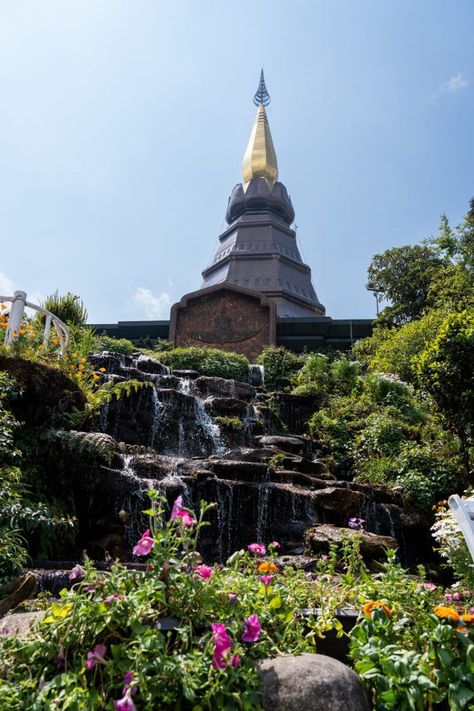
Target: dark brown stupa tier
[(258, 250)]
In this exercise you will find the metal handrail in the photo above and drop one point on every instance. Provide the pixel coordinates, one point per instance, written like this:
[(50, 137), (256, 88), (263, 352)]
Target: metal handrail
[(19, 303)]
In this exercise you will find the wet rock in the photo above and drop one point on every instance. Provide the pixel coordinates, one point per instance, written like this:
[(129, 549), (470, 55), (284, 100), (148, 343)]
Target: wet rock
[(226, 407), (186, 374), (310, 682), (256, 375), (372, 545), (150, 365), (342, 501), (240, 471), (293, 477), (283, 443), (219, 387)]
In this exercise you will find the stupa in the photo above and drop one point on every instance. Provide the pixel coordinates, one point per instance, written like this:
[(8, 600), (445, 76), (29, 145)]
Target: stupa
[(258, 250)]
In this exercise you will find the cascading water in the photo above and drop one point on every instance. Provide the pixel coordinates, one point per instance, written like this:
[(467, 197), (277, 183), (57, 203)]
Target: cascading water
[(265, 487)]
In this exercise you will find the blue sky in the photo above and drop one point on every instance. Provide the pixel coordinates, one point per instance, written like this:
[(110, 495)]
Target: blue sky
[(123, 124)]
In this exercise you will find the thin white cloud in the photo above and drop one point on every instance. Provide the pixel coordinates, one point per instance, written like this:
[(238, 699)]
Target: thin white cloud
[(147, 305), (7, 286), (454, 84)]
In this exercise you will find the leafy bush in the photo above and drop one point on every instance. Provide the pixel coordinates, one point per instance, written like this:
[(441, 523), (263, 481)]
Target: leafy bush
[(116, 345), (308, 390), (207, 361), (280, 366), (230, 424), (69, 308)]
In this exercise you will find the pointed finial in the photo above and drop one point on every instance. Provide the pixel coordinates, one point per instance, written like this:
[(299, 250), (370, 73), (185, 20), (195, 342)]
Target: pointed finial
[(261, 96)]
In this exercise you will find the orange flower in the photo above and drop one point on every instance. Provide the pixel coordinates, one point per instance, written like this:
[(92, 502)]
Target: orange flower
[(268, 568), (448, 613), (102, 370), (369, 607), (462, 630), (3, 307), (467, 618)]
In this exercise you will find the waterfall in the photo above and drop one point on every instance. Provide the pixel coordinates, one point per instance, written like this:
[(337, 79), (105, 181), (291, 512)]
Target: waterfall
[(208, 426)]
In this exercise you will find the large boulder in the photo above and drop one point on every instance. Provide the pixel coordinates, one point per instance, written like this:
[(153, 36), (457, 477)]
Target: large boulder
[(342, 501), (20, 623), (372, 545), (310, 682)]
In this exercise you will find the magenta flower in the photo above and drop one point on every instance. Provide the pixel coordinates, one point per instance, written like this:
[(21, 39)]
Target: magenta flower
[(183, 515), (235, 660), (252, 629), (126, 702), (430, 587), (111, 598), (457, 597), (127, 683), (96, 656), (232, 598), (275, 544), (145, 544), (266, 579), (257, 548), (222, 643), (77, 572), (356, 523), (203, 570), (448, 597)]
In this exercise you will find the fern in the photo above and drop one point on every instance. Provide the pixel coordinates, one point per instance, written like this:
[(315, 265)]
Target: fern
[(110, 390), (95, 446)]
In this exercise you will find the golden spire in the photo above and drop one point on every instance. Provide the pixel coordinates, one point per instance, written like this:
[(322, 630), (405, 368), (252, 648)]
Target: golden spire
[(260, 158)]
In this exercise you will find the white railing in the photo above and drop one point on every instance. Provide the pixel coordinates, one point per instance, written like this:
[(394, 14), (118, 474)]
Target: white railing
[(18, 304)]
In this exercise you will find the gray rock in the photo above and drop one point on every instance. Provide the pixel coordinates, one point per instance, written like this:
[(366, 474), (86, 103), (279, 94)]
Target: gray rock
[(372, 545), (20, 623), (310, 682)]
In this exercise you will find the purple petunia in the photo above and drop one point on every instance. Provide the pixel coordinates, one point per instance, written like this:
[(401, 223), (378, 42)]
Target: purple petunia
[(252, 629)]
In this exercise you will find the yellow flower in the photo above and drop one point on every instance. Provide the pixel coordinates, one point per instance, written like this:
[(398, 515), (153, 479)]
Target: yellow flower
[(74, 355), (369, 607), (80, 367), (3, 307), (447, 613), (102, 370)]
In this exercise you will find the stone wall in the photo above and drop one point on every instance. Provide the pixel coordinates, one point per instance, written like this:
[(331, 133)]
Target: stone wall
[(226, 317)]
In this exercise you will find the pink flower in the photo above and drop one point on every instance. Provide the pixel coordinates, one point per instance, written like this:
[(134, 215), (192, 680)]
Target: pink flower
[(111, 598), (222, 644), (430, 587), (127, 683), (252, 629), (257, 548), (145, 544), (266, 579), (235, 660), (275, 544), (448, 597), (77, 572), (96, 656), (203, 570), (178, 512), (90, 587), (232, 598), (457, 597), (126, 703)]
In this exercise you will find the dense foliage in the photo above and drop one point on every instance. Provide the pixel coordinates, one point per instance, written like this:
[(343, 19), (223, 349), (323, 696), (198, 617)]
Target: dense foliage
[(207, 361)]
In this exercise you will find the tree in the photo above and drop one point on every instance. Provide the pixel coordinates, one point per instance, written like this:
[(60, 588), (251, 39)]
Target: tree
[(404, 275), (446, 370)]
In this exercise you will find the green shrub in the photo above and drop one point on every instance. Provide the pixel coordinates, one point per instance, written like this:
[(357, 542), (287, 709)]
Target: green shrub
[(229, 424), (280, 366), (116, 345), (69, 308), (308, 390), (207, 361)]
